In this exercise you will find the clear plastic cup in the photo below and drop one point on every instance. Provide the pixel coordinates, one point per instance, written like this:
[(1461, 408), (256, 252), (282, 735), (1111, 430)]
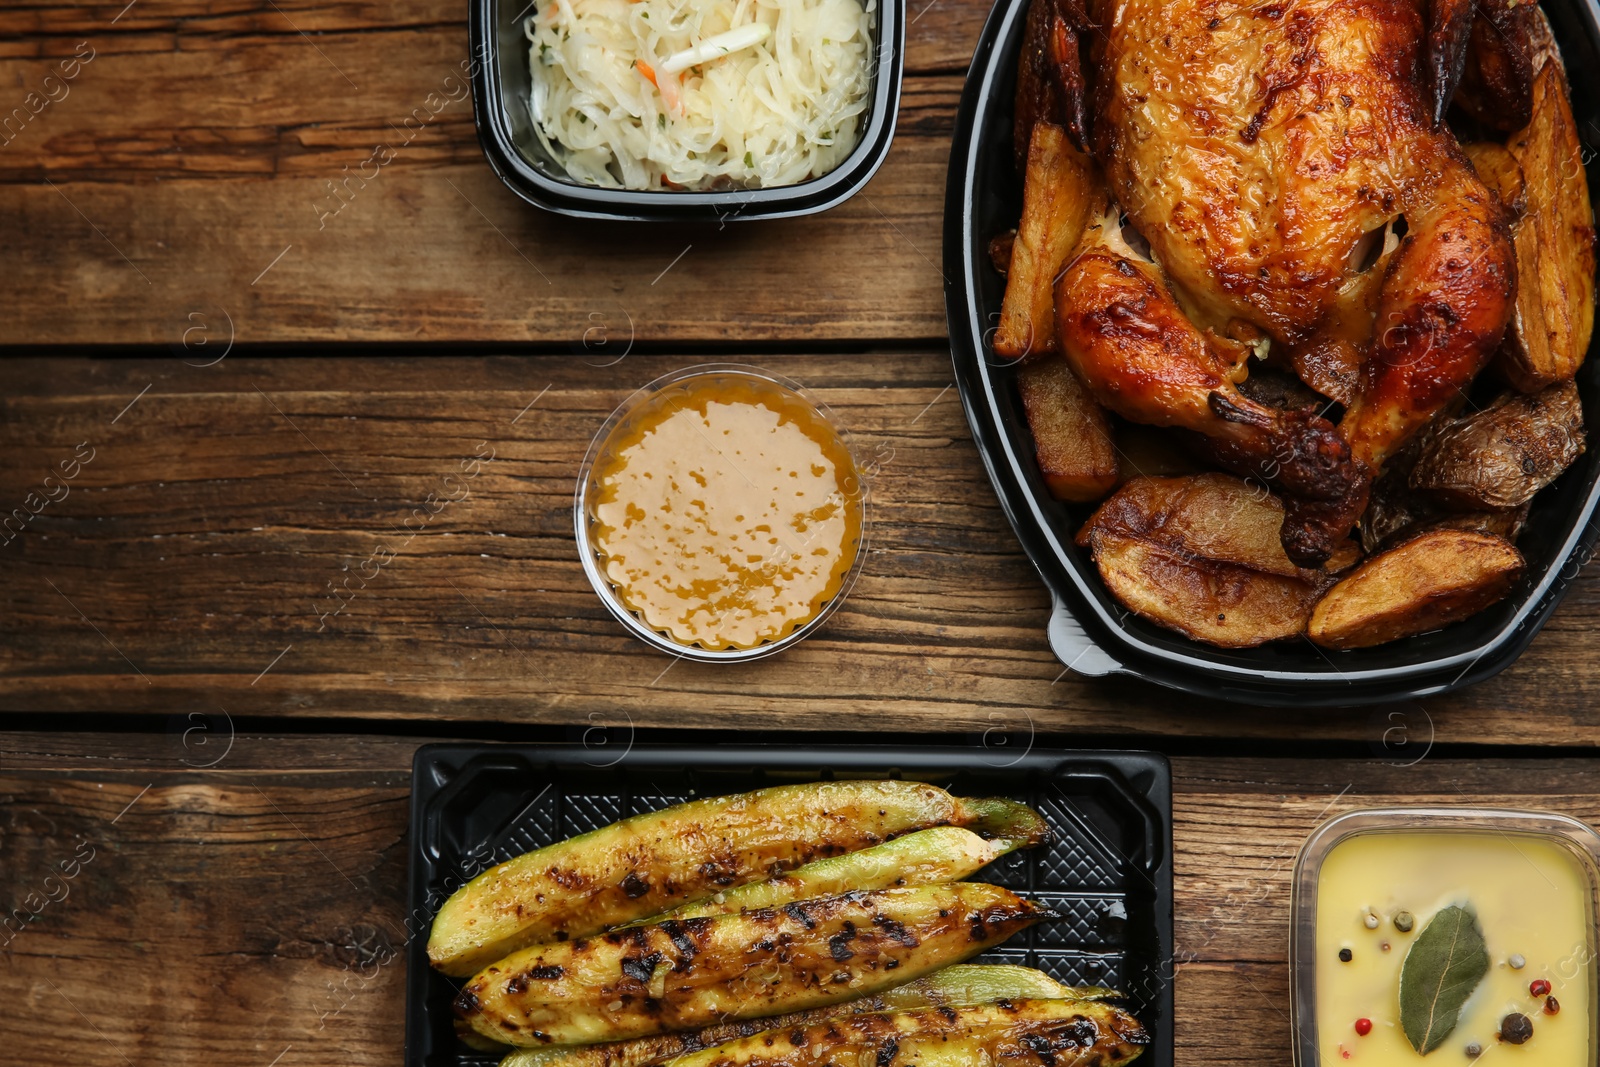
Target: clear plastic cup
[(584, 520)]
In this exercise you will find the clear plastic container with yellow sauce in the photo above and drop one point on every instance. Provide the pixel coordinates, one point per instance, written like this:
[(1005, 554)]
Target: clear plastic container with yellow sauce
[(720, 513), (1508, 977)]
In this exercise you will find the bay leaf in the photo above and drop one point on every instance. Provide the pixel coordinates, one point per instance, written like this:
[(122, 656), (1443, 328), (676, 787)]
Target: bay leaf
[(1444, 966)]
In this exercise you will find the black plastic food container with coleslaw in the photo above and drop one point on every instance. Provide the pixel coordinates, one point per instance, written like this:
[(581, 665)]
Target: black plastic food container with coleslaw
[(502, 82)]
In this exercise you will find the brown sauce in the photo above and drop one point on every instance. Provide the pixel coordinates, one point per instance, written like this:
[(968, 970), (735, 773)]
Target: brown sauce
[(726, 511)]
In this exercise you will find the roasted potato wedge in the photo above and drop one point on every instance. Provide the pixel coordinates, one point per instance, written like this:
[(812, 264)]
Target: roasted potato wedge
[(1554, 318), (1202, 555), (1506, 524), (1219, 603), (1501, 172), (1393, 512), (1422, 584), (1393, 517), (1396, 512), (1208, 516), (1541, 39), (1500, 457), (1071, 434), (1497, 79), (1061, 193)]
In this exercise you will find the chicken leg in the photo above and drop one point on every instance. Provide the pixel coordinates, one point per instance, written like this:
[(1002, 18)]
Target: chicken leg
[(1441, 315), (1140, 356)]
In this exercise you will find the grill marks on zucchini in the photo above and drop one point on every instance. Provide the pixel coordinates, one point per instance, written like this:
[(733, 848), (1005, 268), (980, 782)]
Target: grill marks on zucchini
[(923, 857), (961, 985), (1027, 1033), (639, 980), (646, 864)]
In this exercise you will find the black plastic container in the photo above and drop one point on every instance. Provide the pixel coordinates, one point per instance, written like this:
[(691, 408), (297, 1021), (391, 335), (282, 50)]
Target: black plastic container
[(501, 83), (1089, 631), (1108, 873)]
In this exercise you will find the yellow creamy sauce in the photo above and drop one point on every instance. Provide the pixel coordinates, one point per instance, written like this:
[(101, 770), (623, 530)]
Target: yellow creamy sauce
[(727, 512), (1531, 897)]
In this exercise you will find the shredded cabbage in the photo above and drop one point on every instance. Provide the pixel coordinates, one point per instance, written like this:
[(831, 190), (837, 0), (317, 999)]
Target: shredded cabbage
[(777, 111)]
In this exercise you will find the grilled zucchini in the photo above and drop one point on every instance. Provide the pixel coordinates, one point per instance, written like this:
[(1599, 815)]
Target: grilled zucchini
[(660, 860), (690, 973), (1025, 1033), (960, 986), (927, 857)]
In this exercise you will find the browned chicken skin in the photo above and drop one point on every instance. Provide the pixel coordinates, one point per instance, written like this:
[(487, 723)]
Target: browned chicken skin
[(1143, 358), (1260, 146)]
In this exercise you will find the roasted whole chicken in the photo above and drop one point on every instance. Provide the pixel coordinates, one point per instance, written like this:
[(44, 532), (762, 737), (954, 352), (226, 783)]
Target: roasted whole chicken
[(1288, 164)]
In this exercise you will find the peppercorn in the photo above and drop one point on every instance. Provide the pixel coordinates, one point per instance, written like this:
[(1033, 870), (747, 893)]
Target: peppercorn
[(1474, 1050), (1404, 921), (1345, 955), (1516, 1028), (1539, 987), (1363, 1027), (1370, 921), (1551, 1005), (1517, 961)]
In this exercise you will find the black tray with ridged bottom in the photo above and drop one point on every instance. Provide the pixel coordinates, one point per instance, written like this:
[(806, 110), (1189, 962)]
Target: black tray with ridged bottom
[(1108, 872)]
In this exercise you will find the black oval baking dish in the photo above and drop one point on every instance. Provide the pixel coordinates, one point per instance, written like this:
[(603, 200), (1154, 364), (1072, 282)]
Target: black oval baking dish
[(501, 83), (1089, 630)]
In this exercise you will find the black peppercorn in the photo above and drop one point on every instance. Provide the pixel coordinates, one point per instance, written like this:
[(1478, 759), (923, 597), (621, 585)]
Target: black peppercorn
[(1345, 955), (1474, 1050), (1516, 1028)]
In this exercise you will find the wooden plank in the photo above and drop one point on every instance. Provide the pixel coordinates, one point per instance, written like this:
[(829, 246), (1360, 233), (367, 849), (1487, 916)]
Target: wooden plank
[(193, 563), (231, 913), (205, 153), (446, 252), (940, 34), (212, 916)]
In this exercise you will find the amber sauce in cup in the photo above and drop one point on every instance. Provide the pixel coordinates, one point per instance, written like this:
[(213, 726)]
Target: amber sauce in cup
[(726, 512)]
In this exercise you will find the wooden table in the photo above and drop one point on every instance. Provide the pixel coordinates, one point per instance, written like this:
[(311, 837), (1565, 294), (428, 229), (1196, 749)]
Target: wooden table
[(260, 391)]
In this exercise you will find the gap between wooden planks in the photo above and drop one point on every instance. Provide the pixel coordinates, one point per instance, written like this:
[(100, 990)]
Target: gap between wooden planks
[(230, 913)]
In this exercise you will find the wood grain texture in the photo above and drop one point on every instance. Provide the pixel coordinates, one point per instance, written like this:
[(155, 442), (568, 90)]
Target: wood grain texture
[(202, 140), (939, 35), (195, 562), (228, 914)]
